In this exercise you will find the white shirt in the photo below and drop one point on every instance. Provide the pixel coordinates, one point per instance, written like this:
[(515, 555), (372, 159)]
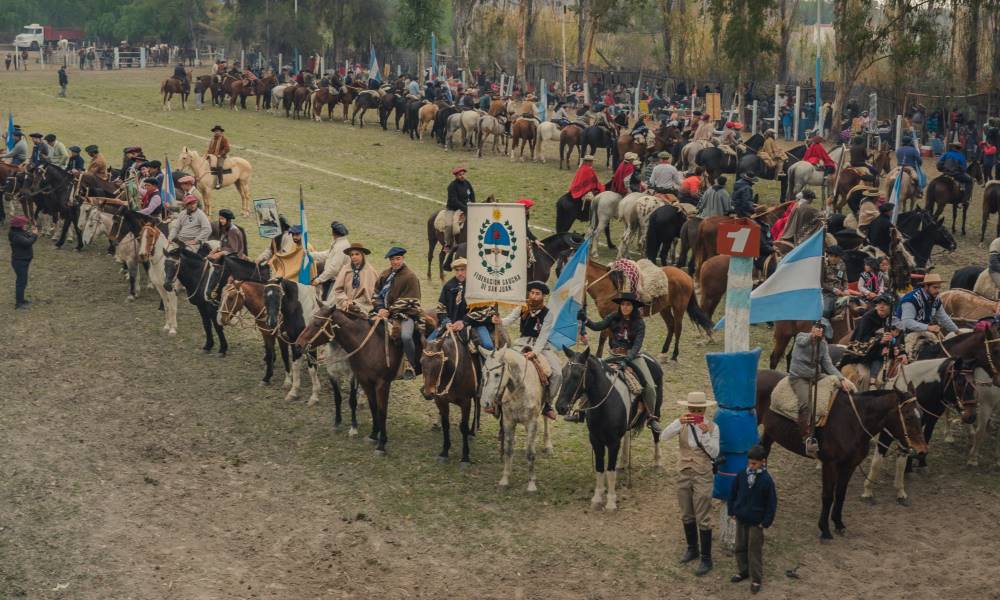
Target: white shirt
[(666, 176), (541, 342), (709, 441), (335, 260)]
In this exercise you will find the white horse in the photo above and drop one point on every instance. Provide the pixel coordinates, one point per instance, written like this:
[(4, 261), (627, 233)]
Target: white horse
[(277, 94), (987, 407), (634, 210), (603, 209), (803, 173), (152, 251), (488, 125), (547, 132), (512, 385), (205, 179), (465, 122), (307, 299), (908, 192)]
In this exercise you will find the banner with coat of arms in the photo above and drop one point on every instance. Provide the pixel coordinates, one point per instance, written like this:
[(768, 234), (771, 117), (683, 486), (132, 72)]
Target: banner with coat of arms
[(497, 251)]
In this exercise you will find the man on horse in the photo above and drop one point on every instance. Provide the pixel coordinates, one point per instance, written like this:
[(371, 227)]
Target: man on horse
[(74, 164), (150, 201), (576, 202), (705, 130), (908, 158), (742, 198), (39, 151), (180, 74), (218, 148), (810, 363), (534, 341), (715, 202), (817, 155), (954, 165), (131, 158), (232, 240), (153, 170), (355, 284), (698, 438), (559, 116), (859, 159), (834, 284), (282, 244), (626, 178), (880, 229), (191, 227), (528, 109), (98, 164), (454, 315), (665, 178), (640, 131), (874, 346), (773, 157), (19, 153), (921, 315), (58, 154), (336, 258), (627, 334), (460, 194), (398, 298)]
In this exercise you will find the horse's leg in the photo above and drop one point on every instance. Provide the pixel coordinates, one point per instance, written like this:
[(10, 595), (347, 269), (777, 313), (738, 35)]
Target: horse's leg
[(313, 378), (338, 398), (612, 474), (219, 331), (780, 343), (899, 481), (965, 212), (599, 478), (383, 417), (657, 458), (985, 221), (547, 438), (954, 216), (293, 393), (531, 428), (206, 323), (607, 235), (286, 362), (843, 478), (268, 359), (984, 411), (508, 452), (373, 409), (443, 407), (868, 493), (352, 401), (465, 429), (678, 328), (829, 480)]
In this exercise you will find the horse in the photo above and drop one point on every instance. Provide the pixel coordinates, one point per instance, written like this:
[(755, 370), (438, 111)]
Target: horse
[(908, 190), (238, 295), (365, 100), (239, 175), (923, 232), (209, 84), (490, 126), (54, 197), (289, 306), (451, 376), (512, 387), (153, 252), (171, 86), (965, 278), (991, 205), (440, 128), (663, 138), (522, 133), (937, 385), (546, 132), (387, 103), (853, 420), (634, 211), (427, 115), (604, 208), (717, 161), (411, 118), (326, 97), (189, 268), (943, 190), (608, 412), (570, 137), (455, 125), (595, 137), (670, 307)]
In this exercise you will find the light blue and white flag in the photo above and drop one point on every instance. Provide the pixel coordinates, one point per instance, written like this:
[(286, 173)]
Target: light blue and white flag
[(10, 131), (374, 72), (894, 196), (793, 291), (561, 326), (434, 57), (305, 272), (167, 192), (543, 98), (921, 176)]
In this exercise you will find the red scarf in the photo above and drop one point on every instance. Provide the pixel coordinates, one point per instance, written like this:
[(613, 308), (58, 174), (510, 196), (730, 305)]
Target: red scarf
[(585, 181), (619, 181)]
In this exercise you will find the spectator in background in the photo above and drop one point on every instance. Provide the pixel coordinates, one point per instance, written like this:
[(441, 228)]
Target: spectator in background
[(753, 502), (7, 60), (63, 81), (786, 125)]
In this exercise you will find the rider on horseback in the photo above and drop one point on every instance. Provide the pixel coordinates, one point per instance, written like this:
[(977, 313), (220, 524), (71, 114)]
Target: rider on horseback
[(810, 362), (559, 116), (908, 157), (834, 284), (818, 156), (640, 130), (191, 228), (627, 334), (533, 340), (665, 178), (954, 165), (874, 345), (218, 147), (921, 315), (460, 194), (859, 158), (773, 156), (180, 74), (398, 299)]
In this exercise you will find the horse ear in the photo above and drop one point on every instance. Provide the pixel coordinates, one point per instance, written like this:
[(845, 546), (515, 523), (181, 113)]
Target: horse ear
[(585, 355), (940, 221), (569, 353)]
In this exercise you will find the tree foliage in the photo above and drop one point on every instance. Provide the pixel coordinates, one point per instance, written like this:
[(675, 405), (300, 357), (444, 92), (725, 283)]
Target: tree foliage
[(743, 32), (415, 22)]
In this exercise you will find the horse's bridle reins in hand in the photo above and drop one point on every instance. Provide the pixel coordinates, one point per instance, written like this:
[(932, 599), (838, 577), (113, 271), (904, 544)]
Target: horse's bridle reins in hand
[(899, 413), (444, 361)]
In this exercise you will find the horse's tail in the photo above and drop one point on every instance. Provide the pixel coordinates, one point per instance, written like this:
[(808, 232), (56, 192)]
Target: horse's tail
[(698, 315), (789, 184)]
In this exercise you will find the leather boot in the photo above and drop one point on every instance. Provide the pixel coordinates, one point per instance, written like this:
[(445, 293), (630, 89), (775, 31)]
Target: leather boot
[(808, 438), (705, 565), (691, 535)]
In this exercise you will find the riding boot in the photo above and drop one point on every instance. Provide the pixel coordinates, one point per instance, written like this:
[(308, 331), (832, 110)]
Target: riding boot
[(691, 535), (705, 535), (218, 178), (808, 436)]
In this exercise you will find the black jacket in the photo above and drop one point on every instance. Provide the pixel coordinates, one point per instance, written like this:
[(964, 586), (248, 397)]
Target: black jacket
[(460, 194), (21, 242), (880, 233), (859, 154), (451, 303), (625, 335), (868, 326), (742, 198), (63, 79), (753, 505)]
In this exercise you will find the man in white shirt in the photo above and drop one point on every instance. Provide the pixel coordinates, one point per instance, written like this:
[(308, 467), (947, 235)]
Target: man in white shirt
[(335, 259), (191, 228), (665, 178), (699, 446)]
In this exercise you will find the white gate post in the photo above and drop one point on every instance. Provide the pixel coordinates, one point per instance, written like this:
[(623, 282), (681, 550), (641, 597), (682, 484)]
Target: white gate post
[(142, 57), (243, 58), (899, 131), (798, 107), (753, 126), (117, 64)]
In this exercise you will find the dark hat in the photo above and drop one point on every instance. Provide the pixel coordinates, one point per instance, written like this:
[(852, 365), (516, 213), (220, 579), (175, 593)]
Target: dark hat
[(92, 149), (957, 145), (36, 135), (395, 251), (150, 180), (295, 229), (886, 208), (218, 128), (819, 323), (756, 453), (883, 299), (338, 228), (50, 137), (808, 194), (629, 297), (816, 139), (132, 149), (154, 163), (538, 285), (74, 149), (356, 247), (225, 212), (835, 251), (18, 133)]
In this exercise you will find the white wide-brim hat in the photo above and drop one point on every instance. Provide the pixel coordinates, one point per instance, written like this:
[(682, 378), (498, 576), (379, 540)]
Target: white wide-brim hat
[(696, 400)]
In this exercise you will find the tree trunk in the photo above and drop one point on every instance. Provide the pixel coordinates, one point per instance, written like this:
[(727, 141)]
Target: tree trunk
[(581, 30), (785, 17), (665, 8), (972, 47), (529, 27), (591, 33), (522, 30)]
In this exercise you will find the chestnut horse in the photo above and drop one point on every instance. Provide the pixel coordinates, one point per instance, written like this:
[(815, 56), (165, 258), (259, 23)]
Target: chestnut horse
[(671, 308), (238, 295), (570, 137), (853, 421), (522, 133), (171, 86), (451, 376)]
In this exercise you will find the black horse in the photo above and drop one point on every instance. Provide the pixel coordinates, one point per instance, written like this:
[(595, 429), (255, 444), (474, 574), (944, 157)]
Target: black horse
[(284, 311), (52, 191), (188, 267), (411, 120), (923, 232), (440, 129), (965, 278), (664, 226), (604, 409), (595, 137)]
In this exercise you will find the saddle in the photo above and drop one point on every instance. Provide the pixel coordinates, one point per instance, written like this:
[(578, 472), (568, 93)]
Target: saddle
[(544, 371), (784, 402), (213, 162), (441, 223)]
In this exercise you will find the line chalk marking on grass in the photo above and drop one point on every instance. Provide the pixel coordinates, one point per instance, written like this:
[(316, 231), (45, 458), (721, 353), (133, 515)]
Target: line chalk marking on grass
[(290, 161)]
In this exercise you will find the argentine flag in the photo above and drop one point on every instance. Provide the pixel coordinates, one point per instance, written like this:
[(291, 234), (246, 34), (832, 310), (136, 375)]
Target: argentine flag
[(10, 131), (374, 72), (894, 196), (305, 271), (543, 101), (792, 292), (167, 192), (560, 324)]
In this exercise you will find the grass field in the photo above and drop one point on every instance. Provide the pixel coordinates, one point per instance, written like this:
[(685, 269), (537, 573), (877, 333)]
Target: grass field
[(137, 467)]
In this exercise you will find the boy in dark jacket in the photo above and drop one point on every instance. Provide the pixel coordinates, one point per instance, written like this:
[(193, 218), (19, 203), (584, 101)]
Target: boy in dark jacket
[(21, 253), (752, 505)]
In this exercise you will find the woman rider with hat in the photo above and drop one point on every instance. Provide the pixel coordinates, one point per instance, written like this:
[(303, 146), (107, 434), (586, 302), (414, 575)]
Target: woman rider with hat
[(533, 340), (627, 333)]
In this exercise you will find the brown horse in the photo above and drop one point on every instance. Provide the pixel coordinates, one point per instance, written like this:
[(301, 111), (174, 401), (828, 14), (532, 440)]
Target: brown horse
[(207, 83), (570, 137), (363, 102), (301, 98), (249, 295), (451, 376), (785, 331), (326, 97), (991, 205), (664, 139), (435, 237), (854, 419), (671, 307), (427, 113), (943, 190), (523, 133), (171, 86)]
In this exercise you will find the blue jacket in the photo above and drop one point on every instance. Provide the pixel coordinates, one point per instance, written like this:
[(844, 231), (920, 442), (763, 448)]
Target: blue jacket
[(742, 198), (908, 156), (753, 505), (951, 160)]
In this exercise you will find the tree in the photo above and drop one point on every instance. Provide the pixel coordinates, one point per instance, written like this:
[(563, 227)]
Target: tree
[(666, 6), (522, 33), (787, 11), (415, 22), (609, 15), (463, 17), (972, 45), (743, 43)]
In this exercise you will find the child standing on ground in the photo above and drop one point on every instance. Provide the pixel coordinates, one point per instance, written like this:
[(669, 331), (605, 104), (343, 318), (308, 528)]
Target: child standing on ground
[(752, 505)]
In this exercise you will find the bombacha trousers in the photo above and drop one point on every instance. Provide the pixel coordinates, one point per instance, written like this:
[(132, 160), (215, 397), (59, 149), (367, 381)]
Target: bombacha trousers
[(694, 494)]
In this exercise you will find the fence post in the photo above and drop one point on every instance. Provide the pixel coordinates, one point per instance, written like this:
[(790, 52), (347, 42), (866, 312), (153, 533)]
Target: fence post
[(243, 58), (899, 131), (777, 99), (117, 64), (142, 57), (798, 107), (753, 125)]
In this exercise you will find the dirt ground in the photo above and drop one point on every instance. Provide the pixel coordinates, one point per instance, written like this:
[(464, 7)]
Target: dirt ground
[(136, 467)]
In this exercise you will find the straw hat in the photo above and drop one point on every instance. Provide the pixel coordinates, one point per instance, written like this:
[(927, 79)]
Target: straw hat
[(932, 278), (630, 156), (459, 262), (696, 400)]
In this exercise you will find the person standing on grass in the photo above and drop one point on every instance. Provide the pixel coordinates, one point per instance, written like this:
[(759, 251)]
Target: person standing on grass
[(63, 81), (752, 505), (21, 253)]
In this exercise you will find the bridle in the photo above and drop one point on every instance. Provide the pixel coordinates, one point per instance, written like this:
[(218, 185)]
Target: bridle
[(280, 319), (899, 414), (578, 392), (444, 361), (152, 234)]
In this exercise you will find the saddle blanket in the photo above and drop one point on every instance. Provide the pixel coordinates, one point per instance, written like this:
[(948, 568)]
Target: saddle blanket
[(785, 403), (643, 278), (445, 217)]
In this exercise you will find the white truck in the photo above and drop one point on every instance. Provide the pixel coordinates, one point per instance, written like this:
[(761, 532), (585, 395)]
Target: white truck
[(36, 36)]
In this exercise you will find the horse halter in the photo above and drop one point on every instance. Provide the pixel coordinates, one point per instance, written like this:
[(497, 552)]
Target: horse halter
[(233, 291), (280, 319), (326, 329), (152, 234), (444, 361)]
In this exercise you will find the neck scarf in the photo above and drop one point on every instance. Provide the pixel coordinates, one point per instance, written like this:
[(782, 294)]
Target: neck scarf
[(384, 292), (752, 475), (356, 274)]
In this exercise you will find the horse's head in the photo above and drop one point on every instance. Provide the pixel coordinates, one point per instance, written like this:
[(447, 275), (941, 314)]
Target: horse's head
[(318, 330), (186, 157), (574, 381), (230, 303), (147, 241), (274, 298), (432, 363), (171, 268), (905, 425), (976, 171), (501, 374), (941, 235)]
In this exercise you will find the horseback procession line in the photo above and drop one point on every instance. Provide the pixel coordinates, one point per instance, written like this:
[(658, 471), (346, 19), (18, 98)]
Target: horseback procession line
[(876, 356)]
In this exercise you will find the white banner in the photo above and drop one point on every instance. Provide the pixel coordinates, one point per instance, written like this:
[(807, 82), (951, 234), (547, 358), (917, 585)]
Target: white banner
[(497, 250)]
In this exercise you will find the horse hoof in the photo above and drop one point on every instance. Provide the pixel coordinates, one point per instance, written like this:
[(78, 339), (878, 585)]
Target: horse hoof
[(825, 535), (353, 432), (129, 298), (291, 397), (840, 529), (465, 464), (903, 501), (380, 453), (206, 350), (371, 440), (870, 500), (532, 488), (611, 507), (442, 460), (503, 484), (172, 332), (549, 451), (312, 401)]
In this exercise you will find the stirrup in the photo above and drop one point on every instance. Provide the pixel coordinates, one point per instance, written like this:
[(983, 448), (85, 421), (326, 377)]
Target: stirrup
[(811, 446)]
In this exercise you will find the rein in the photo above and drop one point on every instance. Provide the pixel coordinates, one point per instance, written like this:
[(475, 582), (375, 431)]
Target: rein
[(444, 361), (899, 413), (577, 392)]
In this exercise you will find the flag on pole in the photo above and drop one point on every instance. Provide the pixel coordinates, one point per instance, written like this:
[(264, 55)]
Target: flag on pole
[(167, 192), (434, 57), (305, 272), (561, 325), (638, 85), (10, 131), (373, 70), (543, 98), (793, 291), (894, 196)]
